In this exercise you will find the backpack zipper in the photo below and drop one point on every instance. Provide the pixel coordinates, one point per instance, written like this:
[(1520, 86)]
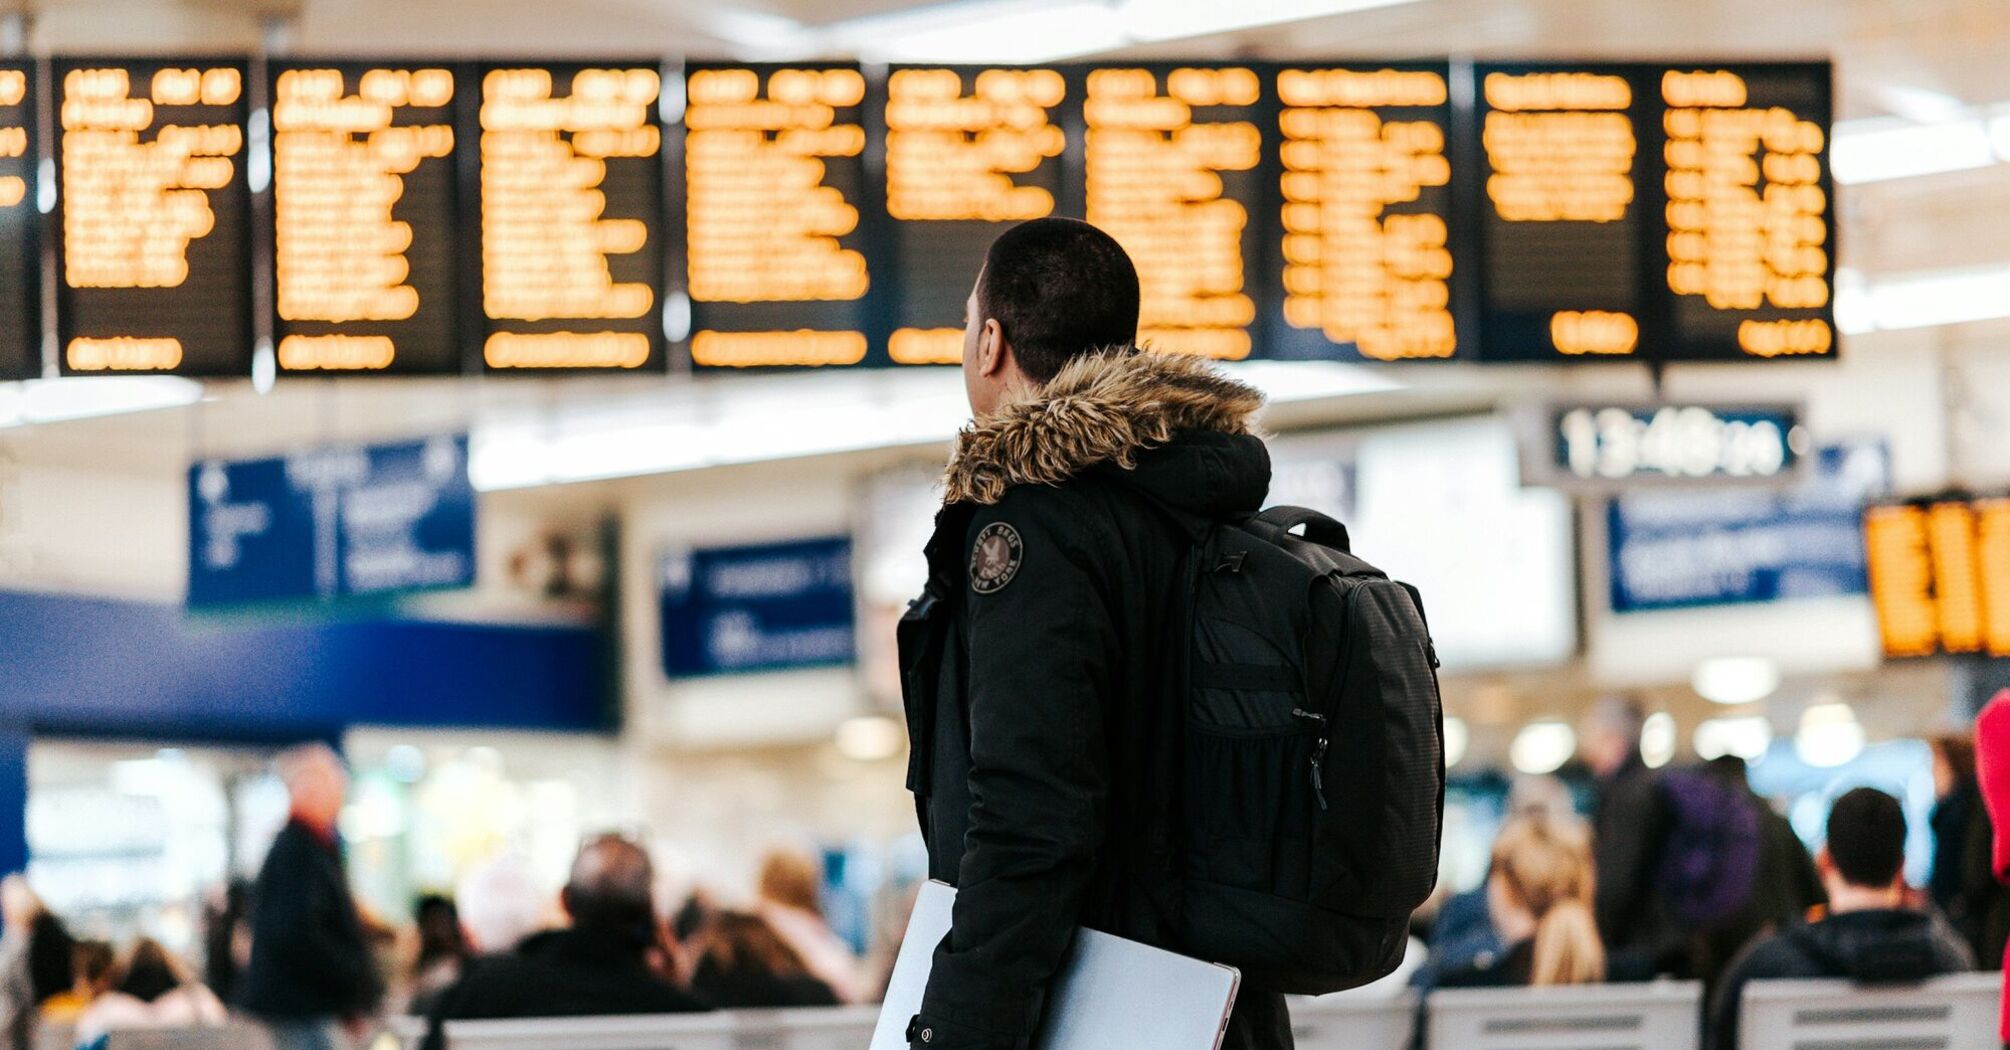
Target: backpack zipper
[(1318, 752)]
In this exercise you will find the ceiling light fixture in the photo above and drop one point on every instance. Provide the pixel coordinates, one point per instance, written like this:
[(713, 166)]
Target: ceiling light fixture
[(1746, 736), (734, 421), (1155, 20), (1019, 31), (1736, 679), (1882, 149), (58, 400), (1542, 747), (1829, 735)]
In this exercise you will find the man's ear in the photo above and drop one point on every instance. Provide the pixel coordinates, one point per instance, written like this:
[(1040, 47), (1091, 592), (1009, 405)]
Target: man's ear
[(565, 900), (994, 354), (1825, 865)]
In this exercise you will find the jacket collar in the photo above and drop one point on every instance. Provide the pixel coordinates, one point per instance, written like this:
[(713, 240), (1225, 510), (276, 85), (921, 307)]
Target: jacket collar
[(1101, 408)]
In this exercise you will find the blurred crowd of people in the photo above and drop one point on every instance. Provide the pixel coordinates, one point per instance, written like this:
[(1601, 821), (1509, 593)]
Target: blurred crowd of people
[(294, 953), (1688, 873), (1677, 872)]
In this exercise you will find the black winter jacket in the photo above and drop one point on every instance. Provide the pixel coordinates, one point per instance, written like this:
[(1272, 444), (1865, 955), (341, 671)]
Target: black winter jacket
[(576, 972), (308, 956), (1038, 677), (1877, 946), (1631, 830)]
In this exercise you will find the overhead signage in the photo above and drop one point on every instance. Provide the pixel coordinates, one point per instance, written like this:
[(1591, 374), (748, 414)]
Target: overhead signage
[(20, 247), (571, 216), (774, 184), (766, 607), (969, 152), (1734, 545), (1940, 575), (336, 522), (541, 216), (153, 217), (366, 234), (1607, 446)]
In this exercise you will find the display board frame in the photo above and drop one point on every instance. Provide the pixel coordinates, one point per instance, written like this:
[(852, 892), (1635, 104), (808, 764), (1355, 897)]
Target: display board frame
[(232, 362), (26, 221), (458, 343), (479, 327)]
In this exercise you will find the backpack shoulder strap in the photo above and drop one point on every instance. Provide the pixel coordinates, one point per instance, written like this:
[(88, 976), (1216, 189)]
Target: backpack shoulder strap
[(1274, 523)]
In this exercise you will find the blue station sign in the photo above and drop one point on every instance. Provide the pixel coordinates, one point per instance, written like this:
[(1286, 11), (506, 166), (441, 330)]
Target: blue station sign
[(335, 522), (767, 607)]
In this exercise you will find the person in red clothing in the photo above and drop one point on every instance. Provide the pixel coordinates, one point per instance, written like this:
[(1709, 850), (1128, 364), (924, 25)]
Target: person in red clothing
[(1992, 770)]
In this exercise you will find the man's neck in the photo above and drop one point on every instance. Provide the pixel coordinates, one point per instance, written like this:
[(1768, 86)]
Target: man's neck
[(1845, 897)]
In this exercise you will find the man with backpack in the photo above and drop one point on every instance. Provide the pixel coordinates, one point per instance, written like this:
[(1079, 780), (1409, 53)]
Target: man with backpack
[(1100, 734)]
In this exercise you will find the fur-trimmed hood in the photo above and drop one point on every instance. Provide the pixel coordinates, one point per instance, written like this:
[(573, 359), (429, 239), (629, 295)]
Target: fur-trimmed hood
[(1108, 408)]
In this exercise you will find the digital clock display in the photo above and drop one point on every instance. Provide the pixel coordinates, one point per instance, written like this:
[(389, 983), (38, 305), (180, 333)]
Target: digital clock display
[(1615, 443)]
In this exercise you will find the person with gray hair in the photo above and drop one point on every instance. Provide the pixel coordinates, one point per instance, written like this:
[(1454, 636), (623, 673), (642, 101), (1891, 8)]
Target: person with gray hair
[(311, 972), (499, 903), (611, 959)]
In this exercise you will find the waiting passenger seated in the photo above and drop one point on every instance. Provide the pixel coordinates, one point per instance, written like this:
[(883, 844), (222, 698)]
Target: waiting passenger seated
[(153, 990), (611, 960), (1539, 891), (747, 965), (1463, 936), (1868, 935)]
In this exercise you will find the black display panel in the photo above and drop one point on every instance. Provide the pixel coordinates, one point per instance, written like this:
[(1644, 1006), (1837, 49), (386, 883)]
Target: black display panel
[(1171, 160), (153, 246), (569, 215), (1749, 207), (775, 190), (20, 248), (1365, 262), (1563, 233), (969, 152), (366, 222)]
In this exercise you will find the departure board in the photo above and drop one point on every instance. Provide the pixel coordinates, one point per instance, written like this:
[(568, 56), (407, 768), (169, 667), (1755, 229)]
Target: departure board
[(20, 250), (571, 203), (969, 152), (1940, 576), (1365, 219), (153, 227), (1750, 259), (365, 223), (774, 181), (1170, 159), (537, 217), (1562, 230)]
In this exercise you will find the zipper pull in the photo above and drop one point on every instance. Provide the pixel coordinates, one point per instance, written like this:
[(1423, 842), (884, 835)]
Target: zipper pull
[(1318, 752)]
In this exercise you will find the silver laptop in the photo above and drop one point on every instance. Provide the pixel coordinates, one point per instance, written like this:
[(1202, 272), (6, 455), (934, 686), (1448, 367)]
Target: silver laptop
[(1111, 994)]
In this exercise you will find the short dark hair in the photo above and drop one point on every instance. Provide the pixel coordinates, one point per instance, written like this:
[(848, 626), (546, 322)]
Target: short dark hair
[(1059, 289), (1867, 837)]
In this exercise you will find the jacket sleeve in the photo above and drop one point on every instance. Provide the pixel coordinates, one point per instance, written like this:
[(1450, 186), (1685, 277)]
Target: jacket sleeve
[(1992, 768), (1041, 646)]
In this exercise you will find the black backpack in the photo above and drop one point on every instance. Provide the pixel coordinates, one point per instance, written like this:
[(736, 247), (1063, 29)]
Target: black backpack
[(1312, 787)]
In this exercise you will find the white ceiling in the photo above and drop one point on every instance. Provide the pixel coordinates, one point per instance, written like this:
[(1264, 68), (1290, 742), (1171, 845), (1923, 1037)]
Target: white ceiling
[(1884, 48)]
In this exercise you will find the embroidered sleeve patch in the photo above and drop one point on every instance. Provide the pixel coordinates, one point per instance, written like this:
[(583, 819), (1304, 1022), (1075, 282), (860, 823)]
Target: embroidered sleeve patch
[(995, 559)]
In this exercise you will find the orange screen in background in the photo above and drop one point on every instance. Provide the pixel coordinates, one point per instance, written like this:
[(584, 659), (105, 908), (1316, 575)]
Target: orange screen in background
[(1940, 576)]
